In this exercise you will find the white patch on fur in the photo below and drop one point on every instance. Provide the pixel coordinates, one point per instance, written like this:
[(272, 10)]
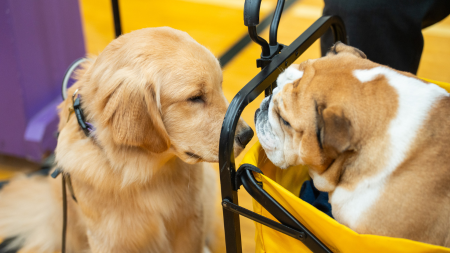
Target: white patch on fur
[(288, 76), (415, 100)]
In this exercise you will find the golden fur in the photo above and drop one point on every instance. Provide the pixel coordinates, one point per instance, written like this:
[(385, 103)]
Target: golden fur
[(155, 98)]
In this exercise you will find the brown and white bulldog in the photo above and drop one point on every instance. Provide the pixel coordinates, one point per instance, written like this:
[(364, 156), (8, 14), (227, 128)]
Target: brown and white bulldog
[(375, 138)]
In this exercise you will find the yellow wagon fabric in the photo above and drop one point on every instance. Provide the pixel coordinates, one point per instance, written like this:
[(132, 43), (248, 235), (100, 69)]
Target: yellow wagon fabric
[(284, 186)]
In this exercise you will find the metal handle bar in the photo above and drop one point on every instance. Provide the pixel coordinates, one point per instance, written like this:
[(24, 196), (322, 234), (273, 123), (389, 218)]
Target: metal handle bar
[(251, 19), (275, 22), (251, 12)]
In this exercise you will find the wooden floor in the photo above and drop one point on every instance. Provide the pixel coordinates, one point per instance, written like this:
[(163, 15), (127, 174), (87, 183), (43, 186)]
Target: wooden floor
[(218, 24)]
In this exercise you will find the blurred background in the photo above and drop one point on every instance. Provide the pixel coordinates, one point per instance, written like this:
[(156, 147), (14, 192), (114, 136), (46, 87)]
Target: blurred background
[(39, 39)]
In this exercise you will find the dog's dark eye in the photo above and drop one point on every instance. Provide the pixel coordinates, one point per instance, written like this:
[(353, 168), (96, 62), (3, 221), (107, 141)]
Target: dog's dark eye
[(197, 99), (285, 122)]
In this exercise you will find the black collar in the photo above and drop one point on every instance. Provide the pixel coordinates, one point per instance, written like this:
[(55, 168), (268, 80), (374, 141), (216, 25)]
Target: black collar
[(85, 126)]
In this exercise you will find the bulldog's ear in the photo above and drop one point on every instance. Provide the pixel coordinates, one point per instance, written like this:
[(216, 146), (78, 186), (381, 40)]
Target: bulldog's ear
[(335, 131), (340, 47), (135, 119)]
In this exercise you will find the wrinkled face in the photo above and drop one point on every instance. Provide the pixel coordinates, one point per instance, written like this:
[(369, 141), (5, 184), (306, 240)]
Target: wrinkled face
[(158, 90), (307, 119), (271, 127)]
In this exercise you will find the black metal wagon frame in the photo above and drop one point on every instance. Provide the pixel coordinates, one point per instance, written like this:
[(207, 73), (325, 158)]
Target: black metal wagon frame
[(274, 59)]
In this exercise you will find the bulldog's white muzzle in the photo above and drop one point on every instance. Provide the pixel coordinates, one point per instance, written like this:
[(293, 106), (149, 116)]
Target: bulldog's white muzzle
[(268, 127)]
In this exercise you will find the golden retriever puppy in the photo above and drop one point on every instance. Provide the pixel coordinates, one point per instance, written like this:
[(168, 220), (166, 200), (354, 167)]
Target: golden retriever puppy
[(155, 102)]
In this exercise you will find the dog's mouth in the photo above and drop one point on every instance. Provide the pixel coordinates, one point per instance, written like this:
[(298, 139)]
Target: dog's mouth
[(264, 129), (192, 155)]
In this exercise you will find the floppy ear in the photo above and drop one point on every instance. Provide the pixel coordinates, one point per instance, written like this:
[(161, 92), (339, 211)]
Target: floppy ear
[(134, 118), (335, 131), (340, 47)]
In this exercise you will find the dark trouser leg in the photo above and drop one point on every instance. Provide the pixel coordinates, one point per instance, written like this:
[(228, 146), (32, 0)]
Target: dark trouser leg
[(389, 32)]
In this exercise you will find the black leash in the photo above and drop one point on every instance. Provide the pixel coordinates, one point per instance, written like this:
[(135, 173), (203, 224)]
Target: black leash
[(87, 129), (64, 229), (64, 177)]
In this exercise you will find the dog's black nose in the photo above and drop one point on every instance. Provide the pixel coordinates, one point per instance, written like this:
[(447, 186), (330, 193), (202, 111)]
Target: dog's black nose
[(244, 137)]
